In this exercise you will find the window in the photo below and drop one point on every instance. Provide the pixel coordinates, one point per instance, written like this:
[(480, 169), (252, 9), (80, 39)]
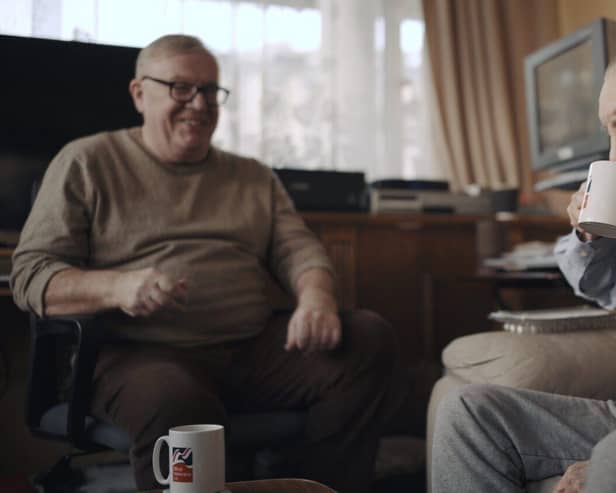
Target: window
[(318, 84)]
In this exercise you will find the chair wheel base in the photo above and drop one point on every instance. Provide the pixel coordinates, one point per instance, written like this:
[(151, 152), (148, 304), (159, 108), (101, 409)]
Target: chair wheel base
[(60, 478)]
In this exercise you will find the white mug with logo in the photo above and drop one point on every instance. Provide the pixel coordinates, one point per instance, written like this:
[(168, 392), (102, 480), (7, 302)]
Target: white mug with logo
[(598, 211), (196, 459)]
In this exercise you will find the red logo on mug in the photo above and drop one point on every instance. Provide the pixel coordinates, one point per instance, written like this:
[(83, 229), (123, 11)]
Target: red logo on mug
[(182, 465)]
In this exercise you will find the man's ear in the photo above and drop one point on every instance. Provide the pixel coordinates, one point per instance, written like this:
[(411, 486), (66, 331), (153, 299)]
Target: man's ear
[(136, 92)]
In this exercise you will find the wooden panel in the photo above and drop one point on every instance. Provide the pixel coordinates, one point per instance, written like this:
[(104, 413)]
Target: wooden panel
[(452, 305), (449, 250), (341, 244), (575, 14), (389, 282), (460, 307)]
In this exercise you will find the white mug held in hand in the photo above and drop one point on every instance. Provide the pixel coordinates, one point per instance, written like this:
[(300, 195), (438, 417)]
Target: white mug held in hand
[(598, 211), (196, 459)]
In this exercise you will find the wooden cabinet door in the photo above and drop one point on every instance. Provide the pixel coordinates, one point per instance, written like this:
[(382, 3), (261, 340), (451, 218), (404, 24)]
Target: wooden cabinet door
[(340, 241), (388, 279)]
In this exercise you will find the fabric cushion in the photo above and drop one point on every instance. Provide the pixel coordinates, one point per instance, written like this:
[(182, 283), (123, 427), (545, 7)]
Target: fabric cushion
[(573, 363)]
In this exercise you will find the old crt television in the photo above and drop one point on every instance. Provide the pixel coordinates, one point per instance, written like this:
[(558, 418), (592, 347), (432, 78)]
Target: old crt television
[(52, 92), (563, 80)]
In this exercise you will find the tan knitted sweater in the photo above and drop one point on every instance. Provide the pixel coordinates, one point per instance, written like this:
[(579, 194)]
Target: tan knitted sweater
[(225, 224)]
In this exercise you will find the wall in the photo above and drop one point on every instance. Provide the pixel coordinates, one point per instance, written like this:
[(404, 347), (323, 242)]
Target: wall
[(574, 14)]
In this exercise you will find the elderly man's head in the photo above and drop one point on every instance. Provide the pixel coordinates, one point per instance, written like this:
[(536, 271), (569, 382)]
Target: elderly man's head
[(176, 90), (607, 106)]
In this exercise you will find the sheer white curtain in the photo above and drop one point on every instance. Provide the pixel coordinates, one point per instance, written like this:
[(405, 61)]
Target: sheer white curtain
[(318, 84)]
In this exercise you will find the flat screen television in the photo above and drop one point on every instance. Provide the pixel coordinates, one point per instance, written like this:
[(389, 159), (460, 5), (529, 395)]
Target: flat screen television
[(563, 80), (52, 92)]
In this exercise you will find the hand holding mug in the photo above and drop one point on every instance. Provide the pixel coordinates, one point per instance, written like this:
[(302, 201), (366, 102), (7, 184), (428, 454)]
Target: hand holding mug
[(594, 212), (574, 208)]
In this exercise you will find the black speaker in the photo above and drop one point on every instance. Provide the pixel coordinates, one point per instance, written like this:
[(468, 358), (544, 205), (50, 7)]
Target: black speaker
[(317, 190)]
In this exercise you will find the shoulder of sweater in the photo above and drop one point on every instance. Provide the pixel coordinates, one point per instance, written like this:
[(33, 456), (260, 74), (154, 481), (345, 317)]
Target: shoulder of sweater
[(92, 145), (243, 163), (87, 150)]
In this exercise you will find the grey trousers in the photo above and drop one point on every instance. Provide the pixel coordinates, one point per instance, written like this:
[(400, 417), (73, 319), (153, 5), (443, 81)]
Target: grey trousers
[(490, 438)]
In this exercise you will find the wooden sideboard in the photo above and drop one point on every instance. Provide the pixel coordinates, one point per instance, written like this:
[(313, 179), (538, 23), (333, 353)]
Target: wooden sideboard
[(419, 270)]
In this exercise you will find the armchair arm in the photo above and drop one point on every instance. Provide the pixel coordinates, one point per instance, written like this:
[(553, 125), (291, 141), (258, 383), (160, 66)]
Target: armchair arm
[(581, 363), (63, 343)]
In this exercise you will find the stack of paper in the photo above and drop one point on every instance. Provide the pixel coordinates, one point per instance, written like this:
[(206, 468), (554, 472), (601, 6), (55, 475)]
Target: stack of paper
[(555, 319), (530, 255)]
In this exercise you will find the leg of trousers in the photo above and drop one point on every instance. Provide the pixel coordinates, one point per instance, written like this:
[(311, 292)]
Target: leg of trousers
[(148, 389), (601, 475), (490, 438), (346, 392)]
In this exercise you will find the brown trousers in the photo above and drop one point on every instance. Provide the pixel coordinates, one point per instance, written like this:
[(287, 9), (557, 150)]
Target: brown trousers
[(148, 389)]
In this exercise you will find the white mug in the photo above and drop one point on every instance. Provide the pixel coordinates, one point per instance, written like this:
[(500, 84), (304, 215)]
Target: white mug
[(196, 459), (598, 211)]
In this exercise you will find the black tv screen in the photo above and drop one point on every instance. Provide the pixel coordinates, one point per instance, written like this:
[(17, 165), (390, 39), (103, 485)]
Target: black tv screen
[(52, 92), (567, 103), (563, 81)]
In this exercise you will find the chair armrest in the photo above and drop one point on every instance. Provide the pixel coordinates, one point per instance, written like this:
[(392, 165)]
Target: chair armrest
[(579, 363), (84, 335)]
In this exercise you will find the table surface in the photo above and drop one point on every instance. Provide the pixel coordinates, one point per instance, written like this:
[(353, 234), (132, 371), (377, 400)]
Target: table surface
[(521, 278), (272, 486)]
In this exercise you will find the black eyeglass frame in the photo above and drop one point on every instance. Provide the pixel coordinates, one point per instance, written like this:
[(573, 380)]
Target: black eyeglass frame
[(195, 90)]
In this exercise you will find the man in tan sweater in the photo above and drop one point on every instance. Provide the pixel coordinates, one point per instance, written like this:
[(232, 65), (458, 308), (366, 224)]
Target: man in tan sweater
[(174, 242)]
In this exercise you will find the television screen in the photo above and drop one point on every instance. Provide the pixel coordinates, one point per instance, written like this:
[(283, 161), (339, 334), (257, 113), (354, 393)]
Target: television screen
[(563, 81), (567, 101), (53, 92)]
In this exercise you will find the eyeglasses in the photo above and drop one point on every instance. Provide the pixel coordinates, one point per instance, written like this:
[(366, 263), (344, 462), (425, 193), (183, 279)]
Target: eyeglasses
[(184, 92)]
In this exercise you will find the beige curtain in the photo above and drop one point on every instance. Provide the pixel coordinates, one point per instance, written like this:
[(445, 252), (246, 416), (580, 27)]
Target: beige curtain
[(476, 50)]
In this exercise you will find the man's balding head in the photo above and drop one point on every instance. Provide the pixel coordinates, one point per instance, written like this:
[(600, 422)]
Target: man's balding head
[(166, 46), (176, 131)]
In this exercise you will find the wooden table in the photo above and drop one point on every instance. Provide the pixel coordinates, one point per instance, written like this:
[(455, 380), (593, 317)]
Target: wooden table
[(273, 486), (521, 280)]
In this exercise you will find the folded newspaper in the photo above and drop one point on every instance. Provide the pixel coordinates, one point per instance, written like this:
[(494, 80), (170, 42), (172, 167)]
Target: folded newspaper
[(555, 319), (525, 256)]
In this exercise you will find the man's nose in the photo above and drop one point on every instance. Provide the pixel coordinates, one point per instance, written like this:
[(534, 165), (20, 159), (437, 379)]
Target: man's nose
[(199, 102)]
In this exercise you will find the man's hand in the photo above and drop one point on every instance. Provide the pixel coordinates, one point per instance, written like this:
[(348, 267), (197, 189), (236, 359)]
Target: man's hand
[(313, 328), (146, 291), (315, 325), (573, 210), (573, 480)]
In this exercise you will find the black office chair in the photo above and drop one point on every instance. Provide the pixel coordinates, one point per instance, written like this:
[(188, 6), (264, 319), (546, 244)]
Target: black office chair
[(63, 358)]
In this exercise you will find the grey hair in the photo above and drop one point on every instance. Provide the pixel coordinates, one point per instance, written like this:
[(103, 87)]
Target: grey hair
[(170, 44)]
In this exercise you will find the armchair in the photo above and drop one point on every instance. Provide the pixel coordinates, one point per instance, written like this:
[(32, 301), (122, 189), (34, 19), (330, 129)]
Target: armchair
[(62, 363), (579, 363)]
